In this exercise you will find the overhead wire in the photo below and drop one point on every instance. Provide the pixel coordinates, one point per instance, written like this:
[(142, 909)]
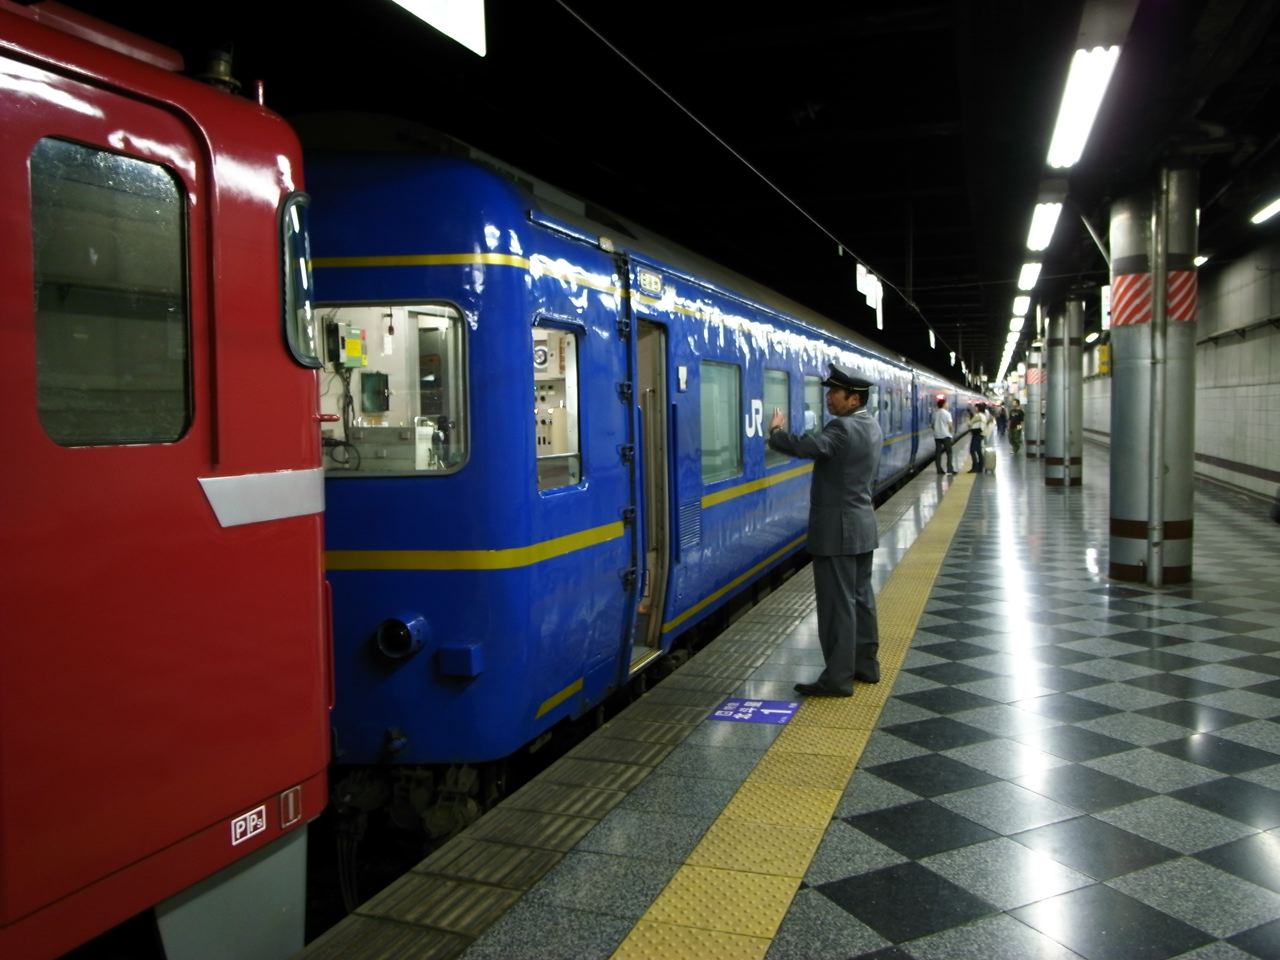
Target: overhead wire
[(841, 246)]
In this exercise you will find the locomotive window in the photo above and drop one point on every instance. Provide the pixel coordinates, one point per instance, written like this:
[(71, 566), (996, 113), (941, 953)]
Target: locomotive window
[(814, 404), (299, 314), (111, 333), (721, 396), (555, 407), (407, 411), (777, 393)]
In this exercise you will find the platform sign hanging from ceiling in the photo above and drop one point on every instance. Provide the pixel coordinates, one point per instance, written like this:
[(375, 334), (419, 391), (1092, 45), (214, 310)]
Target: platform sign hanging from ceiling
[(461, 20), (744, 710)]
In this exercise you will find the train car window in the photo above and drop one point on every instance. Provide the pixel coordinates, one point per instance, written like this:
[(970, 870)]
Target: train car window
[(555, 407), (408, 411), (875, 406), (112, 339), (721, 396), (896, 404), (814, 404), (777, 393), (299, 312)]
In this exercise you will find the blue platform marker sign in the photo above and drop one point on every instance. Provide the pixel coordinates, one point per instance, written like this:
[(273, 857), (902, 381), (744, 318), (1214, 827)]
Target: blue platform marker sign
[(742, 710)]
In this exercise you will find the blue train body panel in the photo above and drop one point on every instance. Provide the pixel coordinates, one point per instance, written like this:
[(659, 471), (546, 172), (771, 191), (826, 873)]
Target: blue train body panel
[(542, 468)]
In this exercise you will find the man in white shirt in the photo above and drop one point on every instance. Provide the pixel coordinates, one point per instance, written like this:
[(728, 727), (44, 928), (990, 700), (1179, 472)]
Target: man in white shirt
[(943, 428)]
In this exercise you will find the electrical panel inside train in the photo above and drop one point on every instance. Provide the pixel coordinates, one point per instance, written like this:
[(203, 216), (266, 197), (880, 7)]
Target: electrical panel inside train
[(555, 406), (549, 407), (345, 345)]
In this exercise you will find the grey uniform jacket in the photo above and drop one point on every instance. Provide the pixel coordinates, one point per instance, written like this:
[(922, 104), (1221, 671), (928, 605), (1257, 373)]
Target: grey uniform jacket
[(846, 454)]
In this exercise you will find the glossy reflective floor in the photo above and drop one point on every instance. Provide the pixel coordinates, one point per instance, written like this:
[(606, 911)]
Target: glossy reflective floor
[(1068, 766)]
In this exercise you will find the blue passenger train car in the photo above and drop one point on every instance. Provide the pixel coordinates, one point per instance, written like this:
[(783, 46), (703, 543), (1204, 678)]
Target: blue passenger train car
[(546, 455)]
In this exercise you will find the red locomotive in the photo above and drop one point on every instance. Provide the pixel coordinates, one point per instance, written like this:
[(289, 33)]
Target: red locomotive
[(164, 668)]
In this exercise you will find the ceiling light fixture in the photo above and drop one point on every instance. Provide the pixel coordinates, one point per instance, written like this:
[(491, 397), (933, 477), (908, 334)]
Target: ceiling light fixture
[(1029, 275), (1021, 305), (1086, 85), (1043, 221), (1267, 212), (1201, 260), (1015, 324), (463, 22)]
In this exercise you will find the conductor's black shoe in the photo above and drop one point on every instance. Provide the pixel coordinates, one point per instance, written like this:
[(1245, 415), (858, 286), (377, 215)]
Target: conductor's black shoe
[(818, 690)]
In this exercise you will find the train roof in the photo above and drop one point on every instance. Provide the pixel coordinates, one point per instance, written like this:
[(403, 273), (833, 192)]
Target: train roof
[(337, 131)]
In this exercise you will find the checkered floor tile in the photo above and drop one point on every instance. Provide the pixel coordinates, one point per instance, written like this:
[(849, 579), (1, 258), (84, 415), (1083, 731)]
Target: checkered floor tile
[(1069, 766)]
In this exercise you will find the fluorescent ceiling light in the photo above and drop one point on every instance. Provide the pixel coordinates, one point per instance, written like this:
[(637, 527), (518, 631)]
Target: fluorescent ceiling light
[(1201, 260), (1043, 221), (1091, 337), (1015, 325), (463, 22), (1267, 212), (1021, 305), (1086, 85), (1012, 338), (1029, 275)]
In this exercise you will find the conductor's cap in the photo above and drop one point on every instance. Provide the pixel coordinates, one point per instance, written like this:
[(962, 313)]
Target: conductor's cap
[(845, 380)]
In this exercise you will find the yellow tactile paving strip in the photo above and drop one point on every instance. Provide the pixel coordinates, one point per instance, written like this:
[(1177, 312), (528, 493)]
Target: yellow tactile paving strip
[(728, 900), (734, 889)]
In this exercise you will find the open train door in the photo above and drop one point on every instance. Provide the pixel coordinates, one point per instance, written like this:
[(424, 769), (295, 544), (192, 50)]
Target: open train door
[(651, 384)]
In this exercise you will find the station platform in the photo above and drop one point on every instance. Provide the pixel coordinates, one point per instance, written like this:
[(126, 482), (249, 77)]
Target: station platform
[(1054, 765)]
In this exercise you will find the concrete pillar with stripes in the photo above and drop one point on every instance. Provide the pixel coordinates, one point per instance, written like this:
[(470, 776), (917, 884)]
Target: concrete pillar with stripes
[(1063, 455), (1055, 437), (1032, 428), (1153, 382), (1180, 192)]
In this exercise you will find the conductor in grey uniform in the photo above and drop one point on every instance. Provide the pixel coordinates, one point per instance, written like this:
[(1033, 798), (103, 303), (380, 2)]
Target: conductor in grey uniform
[(842, 531)]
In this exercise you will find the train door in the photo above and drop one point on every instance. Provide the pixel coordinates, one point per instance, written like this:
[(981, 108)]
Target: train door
[(651, 383)]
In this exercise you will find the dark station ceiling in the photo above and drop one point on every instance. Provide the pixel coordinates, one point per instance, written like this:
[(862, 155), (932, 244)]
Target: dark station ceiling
[(911, 132)]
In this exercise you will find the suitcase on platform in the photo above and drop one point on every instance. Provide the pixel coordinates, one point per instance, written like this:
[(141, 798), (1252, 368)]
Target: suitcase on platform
[(989, 458)]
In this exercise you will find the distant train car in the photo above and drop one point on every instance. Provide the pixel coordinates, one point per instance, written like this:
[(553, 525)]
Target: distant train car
[(551, 461), (164, 679)]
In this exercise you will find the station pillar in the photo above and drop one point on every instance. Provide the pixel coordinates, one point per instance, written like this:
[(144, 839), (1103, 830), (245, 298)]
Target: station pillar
[(1153, 284), (1063, 457), (1032, 428)]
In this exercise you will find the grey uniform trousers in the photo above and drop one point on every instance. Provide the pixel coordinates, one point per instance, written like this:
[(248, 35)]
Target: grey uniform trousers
[(847, 626)]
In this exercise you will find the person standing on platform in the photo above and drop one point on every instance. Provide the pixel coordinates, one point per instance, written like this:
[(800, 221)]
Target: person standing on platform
[(842, 531), (1002, 418), (1016, 418), (943, 429), (988, 434), (977, 425)]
